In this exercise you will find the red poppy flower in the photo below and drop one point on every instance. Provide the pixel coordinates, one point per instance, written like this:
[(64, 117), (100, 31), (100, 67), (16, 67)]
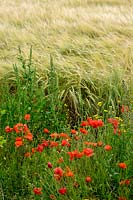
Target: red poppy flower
[(73, 131), (64, 135), (88, 179), (95, 123), (25, 129), (28, 154), (40, 148), (124, 108), (122, 165), (19, 142), (37, 191), (50, 165), (88, 152), (33, 150), (75, 154), (114, 122), (8, 129), (125, 182), (27, 117), (45, 143), (65, 143), (18, 128), (58, 171), (107, 147), (84, 131), (60, 160), (79, 154), (84, 123), (53, 144), (68, 172), (29, 136), (54, 135), (46, 130), (99, 144), (62, 191)]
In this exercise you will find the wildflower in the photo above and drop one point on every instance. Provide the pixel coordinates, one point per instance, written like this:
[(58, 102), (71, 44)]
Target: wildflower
[(40, 148), (88, 152), (99, 144), (25, 129), (88, 179), (46, 130), (65, 143), (62, 190), (84, 123), (37, 191), (95, 123), (114, 122), (54, 135), (18, 142), (29, 136), (107, 147), (58, 171), (79, 154), (45, 143), (100, 103), (75, 154), (64, 135), (8, 129), (28, 154), (71, 154), (122, 165), (84, 131), (27, 117), (33, 150), (125, 182), (18, 128), (68, 172), (88, 143), (124, 108), (73, 131), (94, 144), (53, 144), (60, 160), (50, 165)]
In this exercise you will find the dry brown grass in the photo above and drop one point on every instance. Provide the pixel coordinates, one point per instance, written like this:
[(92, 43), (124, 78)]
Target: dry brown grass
[(83, 36)]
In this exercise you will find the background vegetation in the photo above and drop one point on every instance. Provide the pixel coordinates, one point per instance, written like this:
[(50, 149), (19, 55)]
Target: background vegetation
[(61, 62)]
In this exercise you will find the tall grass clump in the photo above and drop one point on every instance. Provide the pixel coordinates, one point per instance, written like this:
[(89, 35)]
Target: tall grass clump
[(23, 91)]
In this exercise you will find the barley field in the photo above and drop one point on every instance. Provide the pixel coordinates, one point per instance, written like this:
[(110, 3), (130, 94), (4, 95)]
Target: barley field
[(94, 36)]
